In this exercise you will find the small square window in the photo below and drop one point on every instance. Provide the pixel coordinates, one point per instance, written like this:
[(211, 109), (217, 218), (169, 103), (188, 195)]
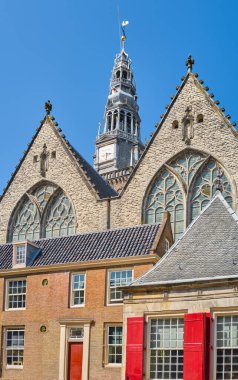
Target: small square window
[(116, 279), (14, 348), (78, 289), (53, 154), (21, 254), (16, 294), (113, 346)]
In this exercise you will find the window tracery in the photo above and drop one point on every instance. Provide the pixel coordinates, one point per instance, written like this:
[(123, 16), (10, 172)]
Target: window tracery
[(204, 188), (60, 218), (183, 187), (29, 222), (166, 195)]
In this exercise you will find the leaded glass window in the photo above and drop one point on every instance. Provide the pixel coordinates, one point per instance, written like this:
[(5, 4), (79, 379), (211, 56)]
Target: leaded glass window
[(184, 186), (186, 165), (28, 220), (26, 224), (60, 218), (166, 195), (205, 187)]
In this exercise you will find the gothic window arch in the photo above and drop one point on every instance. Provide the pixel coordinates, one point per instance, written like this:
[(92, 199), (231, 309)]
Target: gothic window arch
[(166, 195), (195, 174), (60, 218), (29, 221)]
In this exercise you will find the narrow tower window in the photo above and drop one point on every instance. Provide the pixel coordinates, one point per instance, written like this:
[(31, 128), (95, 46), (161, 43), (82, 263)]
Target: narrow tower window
[(109, 121), (124, 74), (122, 119), (115, 119), (128, 123), (118, 74)]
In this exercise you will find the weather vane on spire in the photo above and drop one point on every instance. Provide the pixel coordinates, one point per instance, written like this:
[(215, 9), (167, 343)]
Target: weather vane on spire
[(123, 33)]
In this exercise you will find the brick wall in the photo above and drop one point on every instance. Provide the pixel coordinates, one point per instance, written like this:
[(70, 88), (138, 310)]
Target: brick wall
[(46, 305)]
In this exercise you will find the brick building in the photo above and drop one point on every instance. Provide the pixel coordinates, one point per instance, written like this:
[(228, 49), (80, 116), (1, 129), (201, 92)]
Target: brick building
[(55, 199), (182, 315)]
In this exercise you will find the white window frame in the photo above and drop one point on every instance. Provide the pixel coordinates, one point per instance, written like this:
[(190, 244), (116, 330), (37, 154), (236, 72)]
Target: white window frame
[(106, 345), (18, 348), (120, 301), (7, 308), (72, 305), (148, 319), (216, 314), (14, 261)]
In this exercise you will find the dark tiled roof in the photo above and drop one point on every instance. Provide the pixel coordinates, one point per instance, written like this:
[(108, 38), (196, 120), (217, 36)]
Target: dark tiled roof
[(109, 244), (207, 250), (101, 186)]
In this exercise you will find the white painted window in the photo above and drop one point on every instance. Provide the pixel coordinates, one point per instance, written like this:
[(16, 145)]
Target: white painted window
[(117, 279), (166, 348), (16, 294), (21, 254), (227, 347), (113, 354), (78, 289), (15, 348)]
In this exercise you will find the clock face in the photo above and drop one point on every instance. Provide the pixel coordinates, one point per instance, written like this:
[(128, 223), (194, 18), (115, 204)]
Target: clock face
[(106, 153)]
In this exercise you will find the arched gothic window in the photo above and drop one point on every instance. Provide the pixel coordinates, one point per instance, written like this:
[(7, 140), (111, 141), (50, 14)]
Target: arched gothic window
[(183, 187), (31, 218), (60, 219), (166, 195)]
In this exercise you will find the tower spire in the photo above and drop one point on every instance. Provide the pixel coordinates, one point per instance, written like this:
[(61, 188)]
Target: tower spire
[(120, 138)]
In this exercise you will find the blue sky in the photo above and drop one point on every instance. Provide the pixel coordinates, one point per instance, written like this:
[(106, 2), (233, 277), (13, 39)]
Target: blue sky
[(63, 50)]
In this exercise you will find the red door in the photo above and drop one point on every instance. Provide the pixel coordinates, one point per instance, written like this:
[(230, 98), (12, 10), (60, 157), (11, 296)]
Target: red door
[(75, 361)]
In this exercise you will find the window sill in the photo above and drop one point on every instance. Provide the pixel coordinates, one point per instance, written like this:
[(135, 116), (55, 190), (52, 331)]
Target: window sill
[(115, 304), (76, 306), (113, 365), (14, 367), (16, 309)]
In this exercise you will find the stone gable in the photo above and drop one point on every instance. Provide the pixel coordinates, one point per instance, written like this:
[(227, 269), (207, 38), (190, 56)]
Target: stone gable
[(214, 136), (61, 169)]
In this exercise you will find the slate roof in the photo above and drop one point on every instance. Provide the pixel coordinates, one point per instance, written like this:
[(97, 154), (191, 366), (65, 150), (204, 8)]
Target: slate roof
[(207, 250), (109, 244), (102, 187)]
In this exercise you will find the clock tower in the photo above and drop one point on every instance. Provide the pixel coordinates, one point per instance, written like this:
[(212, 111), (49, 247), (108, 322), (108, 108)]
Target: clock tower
[(118, 145)]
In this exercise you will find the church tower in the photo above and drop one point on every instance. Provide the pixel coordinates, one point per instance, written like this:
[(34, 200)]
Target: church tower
[(118, 145)]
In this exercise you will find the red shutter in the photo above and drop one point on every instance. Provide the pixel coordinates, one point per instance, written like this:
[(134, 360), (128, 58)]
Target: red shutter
[(194, 346), (134, 348)]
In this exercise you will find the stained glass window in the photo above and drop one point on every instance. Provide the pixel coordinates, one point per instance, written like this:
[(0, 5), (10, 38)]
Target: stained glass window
[(187, 182), (205, 187), (60, 218), (166, 195), (27, 221)]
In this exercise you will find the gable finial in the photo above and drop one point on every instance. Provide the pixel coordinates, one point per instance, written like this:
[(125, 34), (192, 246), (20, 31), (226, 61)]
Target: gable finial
[(48, 107), (189, 63)]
